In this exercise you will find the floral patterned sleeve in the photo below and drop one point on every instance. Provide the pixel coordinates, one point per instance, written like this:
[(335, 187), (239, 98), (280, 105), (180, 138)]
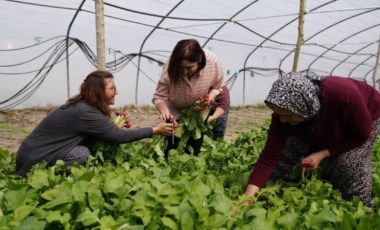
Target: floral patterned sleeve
[(163, 87)]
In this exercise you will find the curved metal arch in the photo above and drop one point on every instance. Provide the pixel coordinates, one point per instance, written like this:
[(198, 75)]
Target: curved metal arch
[(268, 39), (233, 16), (166, 16), (366, 75), (354, 53), (143, 43), (341, 41), (330, 26), (318, 7), (184, 33), (360, 64)]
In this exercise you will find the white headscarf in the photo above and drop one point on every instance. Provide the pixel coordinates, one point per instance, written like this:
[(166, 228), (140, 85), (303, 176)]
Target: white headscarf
[(297, 92)]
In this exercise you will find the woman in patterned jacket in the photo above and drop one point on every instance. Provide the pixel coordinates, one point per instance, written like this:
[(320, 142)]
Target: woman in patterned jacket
[(188, 75)]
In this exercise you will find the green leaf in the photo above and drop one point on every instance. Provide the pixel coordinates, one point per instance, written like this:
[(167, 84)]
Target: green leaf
[(273, 214), (259, 223), (95, 198), (107, 222), (14, 199), (157, 184), (187, 221), (78, 190), (88, 217), (141, 200), (31, 223), (199, 188), (169, 223), (38, 179), (62, 199), (158, 149), (288, 221), (144, 215), (257, 212), (216, 221), (179, 131), (192, 124), (172, 210), (348, 222), (58, 216), (112, 184), (22, 212), (320, 220), (222, 204), (51, 194), (360, 209), (197, 134), (78, 172)]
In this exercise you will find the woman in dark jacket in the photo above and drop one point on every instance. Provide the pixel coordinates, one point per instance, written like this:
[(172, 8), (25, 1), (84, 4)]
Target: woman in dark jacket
[(68, 132), (319, 118)]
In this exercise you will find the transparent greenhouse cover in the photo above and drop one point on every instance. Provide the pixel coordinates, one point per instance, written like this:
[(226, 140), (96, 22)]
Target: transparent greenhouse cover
[(252, 39)]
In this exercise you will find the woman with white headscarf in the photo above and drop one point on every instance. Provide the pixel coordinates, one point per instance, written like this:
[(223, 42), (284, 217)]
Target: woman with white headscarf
[(316, 118)]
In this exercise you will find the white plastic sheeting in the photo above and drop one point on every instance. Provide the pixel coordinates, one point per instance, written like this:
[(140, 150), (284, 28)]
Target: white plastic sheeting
[(340, 38)]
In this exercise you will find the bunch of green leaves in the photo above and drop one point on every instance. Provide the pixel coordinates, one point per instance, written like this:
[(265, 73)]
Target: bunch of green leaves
[(105, 150), (192, 125)]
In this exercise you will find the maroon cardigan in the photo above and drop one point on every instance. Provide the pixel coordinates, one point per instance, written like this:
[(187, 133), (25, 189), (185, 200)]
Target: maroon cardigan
[(223, 99), (348, 109)]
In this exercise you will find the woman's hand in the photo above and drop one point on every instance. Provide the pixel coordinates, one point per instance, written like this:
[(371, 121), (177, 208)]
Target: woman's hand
[(218, 113), (213, 94), (164, 112), (166, 116), (202, 103), (164, 129), (210, 119), (312, 161), (250, 191)]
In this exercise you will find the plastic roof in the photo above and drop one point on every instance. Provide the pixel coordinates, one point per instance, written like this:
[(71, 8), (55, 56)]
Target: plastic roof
[(253, 39)]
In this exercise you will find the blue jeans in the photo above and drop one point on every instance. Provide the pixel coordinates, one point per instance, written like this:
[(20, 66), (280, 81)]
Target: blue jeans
[(221, 125)]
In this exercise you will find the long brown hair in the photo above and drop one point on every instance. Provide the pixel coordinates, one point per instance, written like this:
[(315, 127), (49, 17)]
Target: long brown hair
[(92, 91), (190, 50)]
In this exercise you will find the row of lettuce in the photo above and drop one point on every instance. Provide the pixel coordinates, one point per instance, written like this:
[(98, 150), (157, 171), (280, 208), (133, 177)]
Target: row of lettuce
[(139, 189)]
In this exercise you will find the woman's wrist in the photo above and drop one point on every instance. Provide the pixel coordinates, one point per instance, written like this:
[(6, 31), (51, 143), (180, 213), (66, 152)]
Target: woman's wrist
[(325, 153), (251, 190), (216, 91)]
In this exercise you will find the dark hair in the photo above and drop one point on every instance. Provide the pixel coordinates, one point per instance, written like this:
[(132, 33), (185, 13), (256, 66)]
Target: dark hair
[(92, 91), (190, 50)]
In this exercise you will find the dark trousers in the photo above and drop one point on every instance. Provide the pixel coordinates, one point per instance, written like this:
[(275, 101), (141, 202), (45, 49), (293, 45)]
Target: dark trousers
[(195, 144)]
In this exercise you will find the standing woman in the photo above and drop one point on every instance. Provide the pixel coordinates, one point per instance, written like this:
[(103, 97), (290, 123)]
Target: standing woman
[(68, 132), (332, 119), (188, 75)]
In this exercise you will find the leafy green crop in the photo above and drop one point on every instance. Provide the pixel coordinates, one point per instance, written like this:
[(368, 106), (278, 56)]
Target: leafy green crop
[(142, 190)]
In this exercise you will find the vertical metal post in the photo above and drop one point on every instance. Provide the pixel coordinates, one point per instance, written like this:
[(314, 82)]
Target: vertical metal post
[(67, 68), (300, 35), (237, 74), (375, 68), (100, 40), (67, 49)]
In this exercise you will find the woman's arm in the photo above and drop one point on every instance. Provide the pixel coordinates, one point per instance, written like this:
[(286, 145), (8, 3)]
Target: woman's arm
[(218, 113), (164, 111)]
